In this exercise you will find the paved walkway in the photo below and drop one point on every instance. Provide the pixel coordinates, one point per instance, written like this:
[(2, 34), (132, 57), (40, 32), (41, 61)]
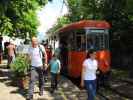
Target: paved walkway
[(7, 90), (66, 91)]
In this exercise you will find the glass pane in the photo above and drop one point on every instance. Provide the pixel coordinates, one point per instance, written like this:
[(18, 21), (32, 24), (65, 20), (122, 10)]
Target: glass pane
[(97, 41)]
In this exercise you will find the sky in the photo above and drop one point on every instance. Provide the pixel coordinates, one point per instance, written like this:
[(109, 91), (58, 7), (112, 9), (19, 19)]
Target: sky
[(48, 16)]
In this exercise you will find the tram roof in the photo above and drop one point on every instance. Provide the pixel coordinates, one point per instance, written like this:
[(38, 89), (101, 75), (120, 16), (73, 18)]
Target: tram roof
[(85, 24)]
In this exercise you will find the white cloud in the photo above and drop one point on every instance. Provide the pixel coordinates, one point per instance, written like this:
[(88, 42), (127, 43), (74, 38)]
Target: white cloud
[(49, 14)]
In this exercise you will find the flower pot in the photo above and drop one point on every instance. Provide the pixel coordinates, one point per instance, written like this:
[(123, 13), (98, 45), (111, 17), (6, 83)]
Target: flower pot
[(25, 82)]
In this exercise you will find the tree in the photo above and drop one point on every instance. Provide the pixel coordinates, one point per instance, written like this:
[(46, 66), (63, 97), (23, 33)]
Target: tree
[(75, 13), (115, 13), (20, 16), (91, 9), (5, 25)]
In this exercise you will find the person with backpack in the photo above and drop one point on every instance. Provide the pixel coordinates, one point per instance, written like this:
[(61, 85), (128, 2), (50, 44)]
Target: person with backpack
[(55, 67), (36, 55)]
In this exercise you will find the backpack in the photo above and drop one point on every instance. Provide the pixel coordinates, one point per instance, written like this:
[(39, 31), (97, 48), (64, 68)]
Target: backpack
[(42, 55)]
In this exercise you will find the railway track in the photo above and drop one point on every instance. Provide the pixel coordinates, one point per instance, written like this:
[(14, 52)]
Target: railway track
[(127, 80), (107, 94), (123, 88), (119, 89)]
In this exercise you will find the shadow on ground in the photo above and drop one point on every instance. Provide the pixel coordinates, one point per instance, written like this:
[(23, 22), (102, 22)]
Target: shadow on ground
[(6, 78)]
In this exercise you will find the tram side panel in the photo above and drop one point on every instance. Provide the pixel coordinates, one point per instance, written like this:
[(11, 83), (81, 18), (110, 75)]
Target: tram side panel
[(75, 61)]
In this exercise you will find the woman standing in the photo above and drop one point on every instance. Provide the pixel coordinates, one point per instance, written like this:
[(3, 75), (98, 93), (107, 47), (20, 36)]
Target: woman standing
[(88, 77)]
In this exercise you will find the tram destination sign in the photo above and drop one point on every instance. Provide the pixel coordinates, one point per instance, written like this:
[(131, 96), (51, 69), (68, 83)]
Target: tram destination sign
[(96, 31)]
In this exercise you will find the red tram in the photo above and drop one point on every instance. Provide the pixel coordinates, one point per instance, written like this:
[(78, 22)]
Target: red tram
[(77, 38)]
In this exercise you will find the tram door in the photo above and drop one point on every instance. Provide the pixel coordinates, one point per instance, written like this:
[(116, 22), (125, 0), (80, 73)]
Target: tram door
[(76, 53), (63, 42)]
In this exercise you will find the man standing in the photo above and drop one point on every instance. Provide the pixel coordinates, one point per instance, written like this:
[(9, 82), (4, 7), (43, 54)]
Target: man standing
[(35, 55)]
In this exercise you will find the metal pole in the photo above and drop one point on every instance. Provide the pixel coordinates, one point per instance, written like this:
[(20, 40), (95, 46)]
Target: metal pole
[(86, 33)]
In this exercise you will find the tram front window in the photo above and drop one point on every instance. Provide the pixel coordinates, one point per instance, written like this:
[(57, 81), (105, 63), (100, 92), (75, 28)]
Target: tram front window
[(90, 42), (97, 41)]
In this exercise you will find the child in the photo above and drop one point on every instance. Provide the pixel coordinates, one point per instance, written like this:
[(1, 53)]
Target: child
[(55, 67)]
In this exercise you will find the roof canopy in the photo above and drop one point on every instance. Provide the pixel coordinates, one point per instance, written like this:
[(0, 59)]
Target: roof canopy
[(85, 24)]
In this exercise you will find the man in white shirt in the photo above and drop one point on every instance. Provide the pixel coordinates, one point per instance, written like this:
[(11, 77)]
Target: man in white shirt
[(35, 54)]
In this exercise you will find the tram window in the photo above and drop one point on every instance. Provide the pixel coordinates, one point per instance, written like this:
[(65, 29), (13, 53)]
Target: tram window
[(78, 43), (91, 42), (106, 41), (71, 42), (83, 43), (102, 41), (97, 41)]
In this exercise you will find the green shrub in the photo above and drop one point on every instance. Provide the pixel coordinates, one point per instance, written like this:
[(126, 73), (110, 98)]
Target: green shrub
[(20, 66)]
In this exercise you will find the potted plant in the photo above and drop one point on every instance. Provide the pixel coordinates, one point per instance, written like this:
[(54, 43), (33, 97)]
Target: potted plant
[(19, 69)]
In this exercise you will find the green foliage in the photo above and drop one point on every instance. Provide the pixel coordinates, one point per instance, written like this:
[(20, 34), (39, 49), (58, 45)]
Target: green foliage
[(20, 66), (115, 12), (28, 24), (91, 9), (19, 17), (75, 12), (5, 25)]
